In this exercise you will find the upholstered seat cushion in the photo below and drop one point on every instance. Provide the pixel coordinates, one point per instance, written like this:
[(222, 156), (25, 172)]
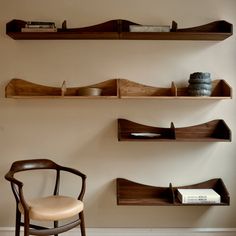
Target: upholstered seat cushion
[(53, 208)]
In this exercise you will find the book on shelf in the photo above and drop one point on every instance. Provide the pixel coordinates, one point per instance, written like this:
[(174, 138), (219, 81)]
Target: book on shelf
[(198, 196), (40, 26), (40, 23), (149, 28), (38, 29)]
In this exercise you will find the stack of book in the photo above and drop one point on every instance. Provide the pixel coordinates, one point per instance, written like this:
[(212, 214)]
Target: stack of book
[(39, 26), (198, 196)]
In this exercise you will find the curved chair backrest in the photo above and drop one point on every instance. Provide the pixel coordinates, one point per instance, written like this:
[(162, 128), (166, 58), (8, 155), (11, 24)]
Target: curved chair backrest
[(36, 164), (33, 164), (26, 165)]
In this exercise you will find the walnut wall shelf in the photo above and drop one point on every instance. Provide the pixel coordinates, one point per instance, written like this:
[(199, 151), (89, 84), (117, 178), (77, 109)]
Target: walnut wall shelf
[(119, 29), (114, 88), (131, 193), (130, 89), (18, 88), (212, 131)]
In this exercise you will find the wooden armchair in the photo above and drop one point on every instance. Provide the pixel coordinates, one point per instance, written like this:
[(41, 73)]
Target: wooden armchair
[(51, 208)]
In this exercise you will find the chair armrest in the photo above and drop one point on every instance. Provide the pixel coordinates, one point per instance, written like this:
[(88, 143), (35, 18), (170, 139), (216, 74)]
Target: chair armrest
[(73, 171), (78, 173), (10, 177), (17, 188)]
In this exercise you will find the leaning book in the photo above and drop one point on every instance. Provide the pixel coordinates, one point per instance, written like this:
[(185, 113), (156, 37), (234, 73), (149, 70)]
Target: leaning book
[(198, 196)]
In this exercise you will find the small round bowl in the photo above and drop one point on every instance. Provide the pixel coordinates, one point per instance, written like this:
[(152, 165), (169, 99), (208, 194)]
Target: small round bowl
[(89, 91)]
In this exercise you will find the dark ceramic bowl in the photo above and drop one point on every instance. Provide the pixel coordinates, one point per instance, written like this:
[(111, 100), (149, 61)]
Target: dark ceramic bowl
[(199, 92), (200, 77)]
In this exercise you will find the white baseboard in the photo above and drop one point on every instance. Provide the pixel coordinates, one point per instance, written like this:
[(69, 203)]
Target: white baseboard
[(9, 231)]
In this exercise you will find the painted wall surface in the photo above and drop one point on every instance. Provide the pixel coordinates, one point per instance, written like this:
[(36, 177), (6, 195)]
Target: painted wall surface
[(83, 133)]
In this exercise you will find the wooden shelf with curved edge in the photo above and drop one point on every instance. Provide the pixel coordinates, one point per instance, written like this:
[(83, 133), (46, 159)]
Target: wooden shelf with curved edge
[(18, 88), (132, 90), (115, 88), (132, 193), (212, 131), (119, 29)]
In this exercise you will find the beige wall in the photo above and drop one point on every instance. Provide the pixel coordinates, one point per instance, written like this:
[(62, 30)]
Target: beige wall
[(83, 133)]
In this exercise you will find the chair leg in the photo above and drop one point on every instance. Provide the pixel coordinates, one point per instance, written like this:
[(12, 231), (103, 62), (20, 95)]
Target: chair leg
[(18, 220), (82, 224), (26, 225), (55, 226)]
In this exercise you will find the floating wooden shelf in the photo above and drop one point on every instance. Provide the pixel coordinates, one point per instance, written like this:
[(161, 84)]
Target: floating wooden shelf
[(119, 29), (131, 193), (115, 88), (213, 131), (18, 88), (129, 89)]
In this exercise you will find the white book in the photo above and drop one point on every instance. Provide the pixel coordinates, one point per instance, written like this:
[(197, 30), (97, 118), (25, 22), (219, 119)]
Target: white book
[(149, 28), (192, 196), (40, 26)]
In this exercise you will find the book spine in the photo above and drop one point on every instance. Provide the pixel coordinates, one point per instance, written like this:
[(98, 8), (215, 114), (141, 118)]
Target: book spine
[(201, 202), (200, 199)]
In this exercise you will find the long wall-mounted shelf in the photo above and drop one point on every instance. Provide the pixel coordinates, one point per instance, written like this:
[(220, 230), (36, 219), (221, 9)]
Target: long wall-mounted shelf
[(130, 89), (114, 88), (131, 193), (212, 131), (18, 88), (119, 29)]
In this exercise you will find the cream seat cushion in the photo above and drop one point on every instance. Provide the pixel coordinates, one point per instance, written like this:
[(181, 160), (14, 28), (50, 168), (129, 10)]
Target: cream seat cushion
[(53, 208)]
